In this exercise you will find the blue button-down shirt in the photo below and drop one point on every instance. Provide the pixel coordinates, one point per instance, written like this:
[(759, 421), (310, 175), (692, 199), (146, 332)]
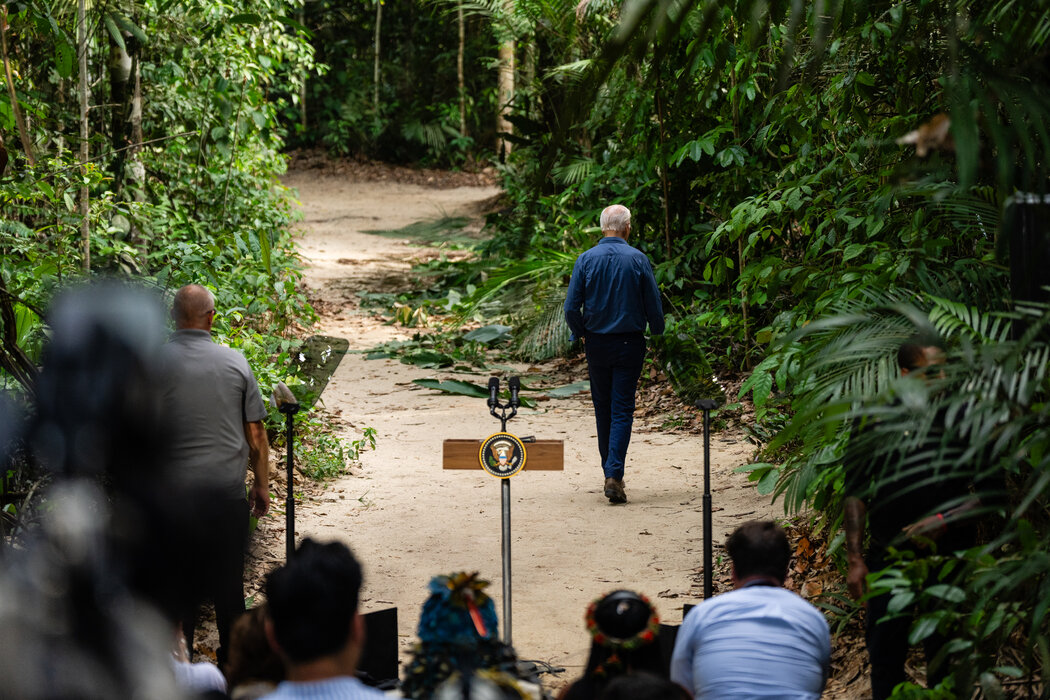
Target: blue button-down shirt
[(613, 284)]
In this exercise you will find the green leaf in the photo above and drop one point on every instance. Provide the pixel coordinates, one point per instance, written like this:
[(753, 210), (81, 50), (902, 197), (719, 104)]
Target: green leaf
[(289, 22), (454, 386), (924, 627), (114, 32), (488, 334), (429, 359), (952, 594), (64, 57), (569, 390), (461, 388), (132, 29), (264, 250), (852, 251), (768, 482), (900, 601), (246, 18)]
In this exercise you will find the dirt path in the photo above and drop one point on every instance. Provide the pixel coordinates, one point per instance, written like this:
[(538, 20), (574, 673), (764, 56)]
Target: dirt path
[(408, 520)]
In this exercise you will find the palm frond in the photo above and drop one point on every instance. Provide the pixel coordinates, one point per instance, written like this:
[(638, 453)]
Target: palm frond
[(575, 171), (544, 334)]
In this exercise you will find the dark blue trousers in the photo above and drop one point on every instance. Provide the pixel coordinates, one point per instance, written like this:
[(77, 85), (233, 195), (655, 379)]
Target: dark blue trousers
[(614, 363)]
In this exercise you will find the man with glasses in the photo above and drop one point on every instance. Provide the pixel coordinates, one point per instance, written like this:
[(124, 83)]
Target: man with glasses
[(217, 433)]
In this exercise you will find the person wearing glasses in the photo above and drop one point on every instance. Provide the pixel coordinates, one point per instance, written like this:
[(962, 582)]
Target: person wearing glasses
[(217, 415)]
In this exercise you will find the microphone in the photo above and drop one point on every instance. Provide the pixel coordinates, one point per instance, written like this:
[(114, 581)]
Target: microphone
[(493, 392), (515, 386)]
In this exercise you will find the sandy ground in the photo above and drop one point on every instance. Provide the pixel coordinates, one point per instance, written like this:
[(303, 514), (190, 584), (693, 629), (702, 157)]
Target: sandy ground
[(407, 519)]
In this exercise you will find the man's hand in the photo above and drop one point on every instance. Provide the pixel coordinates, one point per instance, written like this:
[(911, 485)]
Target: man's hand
[(259, 499), (856, 578), (929, 528), (853, 523), (259, 461)]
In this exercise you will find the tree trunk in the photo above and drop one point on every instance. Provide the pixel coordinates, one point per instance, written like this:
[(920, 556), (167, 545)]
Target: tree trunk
[(120, 68), (20, 122), (136, 170), (459, 71), (85, 228), (375, 76), (506, 94)]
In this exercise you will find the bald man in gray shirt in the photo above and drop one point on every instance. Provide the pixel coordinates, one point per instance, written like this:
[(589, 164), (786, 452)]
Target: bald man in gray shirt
[(217, 433)]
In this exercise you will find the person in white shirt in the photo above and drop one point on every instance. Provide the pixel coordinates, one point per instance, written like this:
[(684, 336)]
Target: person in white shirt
[(759, 640)]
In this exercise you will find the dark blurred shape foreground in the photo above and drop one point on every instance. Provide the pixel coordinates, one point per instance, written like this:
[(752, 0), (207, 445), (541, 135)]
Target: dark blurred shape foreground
[(88, 598)]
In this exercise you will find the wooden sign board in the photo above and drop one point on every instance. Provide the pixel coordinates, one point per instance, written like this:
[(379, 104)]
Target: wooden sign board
[(544, 455)]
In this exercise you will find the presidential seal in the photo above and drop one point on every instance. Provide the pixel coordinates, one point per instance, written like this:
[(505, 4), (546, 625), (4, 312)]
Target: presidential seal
[(502, 455)]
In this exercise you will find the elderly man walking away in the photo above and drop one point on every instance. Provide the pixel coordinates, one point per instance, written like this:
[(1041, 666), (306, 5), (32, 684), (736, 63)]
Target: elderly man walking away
[(314, 624), (612, 296), (217, 433), (759, 640)]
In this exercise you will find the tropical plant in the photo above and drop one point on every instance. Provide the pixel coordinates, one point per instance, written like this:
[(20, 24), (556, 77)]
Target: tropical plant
[(984, 421)]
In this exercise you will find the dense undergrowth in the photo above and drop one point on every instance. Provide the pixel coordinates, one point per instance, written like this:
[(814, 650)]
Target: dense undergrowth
[(814, 183)]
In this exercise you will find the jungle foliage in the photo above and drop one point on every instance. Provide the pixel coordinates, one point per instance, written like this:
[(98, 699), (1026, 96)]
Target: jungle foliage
[(816, 183), (412, 114), (183, 146)]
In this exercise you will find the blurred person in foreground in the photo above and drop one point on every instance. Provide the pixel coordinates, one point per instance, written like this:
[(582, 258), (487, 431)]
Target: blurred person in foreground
[(924, 504), (759, 640), (644, 686), (612, 297), (315, 626), (217, 415), (89, 598), (253, 668), (459, 636), (624, 629)]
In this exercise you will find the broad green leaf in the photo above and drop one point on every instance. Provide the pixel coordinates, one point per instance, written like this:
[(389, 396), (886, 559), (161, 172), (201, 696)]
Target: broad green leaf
[(64, 58), (131, 28), (454, 386), (768, 482), (924, 627), (429, 359), (114, 32), (852, 251), (567, 390), (488, 334)]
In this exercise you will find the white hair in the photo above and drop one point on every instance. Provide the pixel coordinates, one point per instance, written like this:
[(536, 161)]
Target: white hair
[(616, 218)]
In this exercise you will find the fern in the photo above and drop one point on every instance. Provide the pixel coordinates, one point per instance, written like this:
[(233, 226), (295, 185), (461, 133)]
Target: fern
[(545, 334)]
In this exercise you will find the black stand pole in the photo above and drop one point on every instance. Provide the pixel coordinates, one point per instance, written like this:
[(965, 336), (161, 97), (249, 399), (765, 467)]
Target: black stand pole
[(289, 508), (287, 404), (707, 405), (513, 404)]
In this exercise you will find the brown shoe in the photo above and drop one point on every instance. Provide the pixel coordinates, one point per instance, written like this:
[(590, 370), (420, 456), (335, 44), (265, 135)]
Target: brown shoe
[(614, 490)]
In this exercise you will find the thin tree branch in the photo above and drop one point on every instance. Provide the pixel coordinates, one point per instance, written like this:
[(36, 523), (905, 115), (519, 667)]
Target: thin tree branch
[(20, 121)]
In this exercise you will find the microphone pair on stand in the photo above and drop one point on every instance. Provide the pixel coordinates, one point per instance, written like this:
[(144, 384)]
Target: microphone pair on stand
[(515, 386)]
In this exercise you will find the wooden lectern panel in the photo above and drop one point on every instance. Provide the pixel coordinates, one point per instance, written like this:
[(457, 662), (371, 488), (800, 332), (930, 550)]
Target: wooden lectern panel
[(543, 455)]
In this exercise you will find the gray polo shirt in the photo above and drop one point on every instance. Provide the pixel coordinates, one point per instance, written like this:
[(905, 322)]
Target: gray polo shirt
[(210, 393)]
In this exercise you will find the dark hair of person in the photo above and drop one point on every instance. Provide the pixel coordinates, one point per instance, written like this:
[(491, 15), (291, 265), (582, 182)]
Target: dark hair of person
[(313, 599), (624, 640), (759, 548), (909, 355), (251, 658), (643, 686)]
